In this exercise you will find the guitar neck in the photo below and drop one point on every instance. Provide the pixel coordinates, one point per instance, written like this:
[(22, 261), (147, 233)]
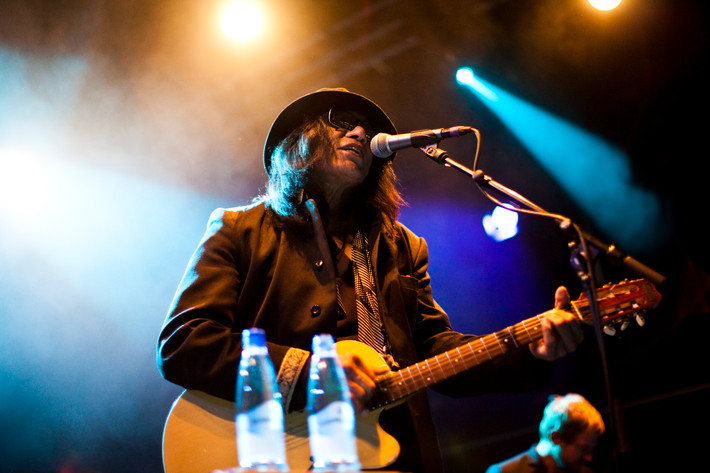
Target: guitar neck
[(396, 385), (616, 303)]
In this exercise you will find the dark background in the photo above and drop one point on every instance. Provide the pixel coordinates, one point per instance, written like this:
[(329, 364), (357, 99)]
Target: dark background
[(143, 118)]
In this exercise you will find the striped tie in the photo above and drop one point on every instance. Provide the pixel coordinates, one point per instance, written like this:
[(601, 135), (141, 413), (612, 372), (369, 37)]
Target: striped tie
[(369, 328)]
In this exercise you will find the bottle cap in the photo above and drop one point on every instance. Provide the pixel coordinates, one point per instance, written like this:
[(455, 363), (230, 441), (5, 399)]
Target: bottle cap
[(323, 343), (253, 337)]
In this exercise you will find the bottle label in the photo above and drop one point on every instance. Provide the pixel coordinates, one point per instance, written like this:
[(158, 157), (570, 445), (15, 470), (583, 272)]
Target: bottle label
[(260, 436), (332, 437)]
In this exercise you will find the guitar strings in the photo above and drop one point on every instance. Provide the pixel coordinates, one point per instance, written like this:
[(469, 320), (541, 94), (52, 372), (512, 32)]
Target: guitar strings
[(396, 385)]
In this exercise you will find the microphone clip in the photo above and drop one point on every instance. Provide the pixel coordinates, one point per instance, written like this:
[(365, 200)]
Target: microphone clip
[(437, 154)]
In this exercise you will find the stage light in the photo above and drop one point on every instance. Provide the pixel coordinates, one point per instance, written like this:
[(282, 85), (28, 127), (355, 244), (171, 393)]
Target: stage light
[(501, 224), (241, 21), (595, 173), (604, 5), (465, 76)]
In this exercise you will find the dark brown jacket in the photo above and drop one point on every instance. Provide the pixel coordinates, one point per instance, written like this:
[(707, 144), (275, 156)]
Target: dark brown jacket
[(252, 270)]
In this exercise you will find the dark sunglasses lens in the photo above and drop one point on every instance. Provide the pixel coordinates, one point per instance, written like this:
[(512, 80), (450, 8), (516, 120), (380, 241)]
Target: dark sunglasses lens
[(348, 121), (342, 123)]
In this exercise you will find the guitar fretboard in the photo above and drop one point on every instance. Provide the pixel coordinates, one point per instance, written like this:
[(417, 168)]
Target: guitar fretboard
[(396, 385), (614, 301)]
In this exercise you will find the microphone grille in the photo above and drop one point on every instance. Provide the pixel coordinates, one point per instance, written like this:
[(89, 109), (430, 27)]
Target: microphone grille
[(379, 147)]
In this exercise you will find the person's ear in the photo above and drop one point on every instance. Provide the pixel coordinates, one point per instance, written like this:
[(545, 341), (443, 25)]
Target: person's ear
[(555, 437)]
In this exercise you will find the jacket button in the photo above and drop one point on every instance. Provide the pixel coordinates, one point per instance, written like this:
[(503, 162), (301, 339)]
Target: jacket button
[(319, 264), (315, 310)]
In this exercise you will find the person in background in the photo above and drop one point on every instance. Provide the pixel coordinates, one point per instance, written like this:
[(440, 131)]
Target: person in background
[(569, 431), (322, 251)]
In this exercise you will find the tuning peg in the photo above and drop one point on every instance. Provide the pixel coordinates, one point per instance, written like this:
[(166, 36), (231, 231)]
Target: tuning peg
[(611, 331), (625, 324), (640, 320)]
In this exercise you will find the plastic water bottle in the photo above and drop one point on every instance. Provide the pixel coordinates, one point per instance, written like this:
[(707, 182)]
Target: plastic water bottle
[(260, 417), (331, 418)]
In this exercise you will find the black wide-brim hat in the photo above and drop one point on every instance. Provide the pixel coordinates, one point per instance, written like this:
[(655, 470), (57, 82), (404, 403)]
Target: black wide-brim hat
[(317, 103)]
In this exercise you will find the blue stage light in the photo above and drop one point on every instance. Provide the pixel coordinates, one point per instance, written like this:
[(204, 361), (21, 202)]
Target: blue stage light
[(501, 224)]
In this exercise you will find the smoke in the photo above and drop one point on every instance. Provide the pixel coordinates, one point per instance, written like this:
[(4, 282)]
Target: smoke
[(95, 235)]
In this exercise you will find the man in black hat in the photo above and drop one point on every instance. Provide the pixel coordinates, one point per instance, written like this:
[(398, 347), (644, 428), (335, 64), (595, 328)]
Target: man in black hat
[(322, 252)]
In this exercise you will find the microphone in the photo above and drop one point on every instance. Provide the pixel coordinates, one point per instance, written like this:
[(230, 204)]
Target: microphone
[(384, 145)]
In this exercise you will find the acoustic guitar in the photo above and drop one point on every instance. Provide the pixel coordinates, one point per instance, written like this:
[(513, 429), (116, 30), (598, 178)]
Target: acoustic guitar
[(200, 436)]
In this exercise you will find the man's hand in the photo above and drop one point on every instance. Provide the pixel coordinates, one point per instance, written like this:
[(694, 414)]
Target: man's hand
[(561, 332), (361, 380)]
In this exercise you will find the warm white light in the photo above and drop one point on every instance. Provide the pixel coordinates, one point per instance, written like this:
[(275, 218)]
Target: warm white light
[(604, 5), (241, 21)]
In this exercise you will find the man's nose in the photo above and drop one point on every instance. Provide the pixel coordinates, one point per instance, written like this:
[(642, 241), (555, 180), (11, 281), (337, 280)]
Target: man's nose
[(358, 133)]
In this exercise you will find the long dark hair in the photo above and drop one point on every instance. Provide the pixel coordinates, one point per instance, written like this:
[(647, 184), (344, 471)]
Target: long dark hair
[(289, 175)]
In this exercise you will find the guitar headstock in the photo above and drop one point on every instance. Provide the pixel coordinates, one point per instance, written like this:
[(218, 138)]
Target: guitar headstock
[(620, 303)]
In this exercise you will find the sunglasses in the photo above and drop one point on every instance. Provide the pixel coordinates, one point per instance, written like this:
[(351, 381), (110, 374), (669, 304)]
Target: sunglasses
[(348, 121)]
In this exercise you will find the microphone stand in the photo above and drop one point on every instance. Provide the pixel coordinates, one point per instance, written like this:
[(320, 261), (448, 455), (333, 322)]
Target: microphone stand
[(581, 245), (610, 251)]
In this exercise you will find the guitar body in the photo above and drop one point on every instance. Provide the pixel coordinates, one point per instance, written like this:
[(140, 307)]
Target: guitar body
[(200, 435)]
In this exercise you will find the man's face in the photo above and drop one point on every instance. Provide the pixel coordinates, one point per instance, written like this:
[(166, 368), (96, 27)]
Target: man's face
[(349, 163), (574, 454)]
